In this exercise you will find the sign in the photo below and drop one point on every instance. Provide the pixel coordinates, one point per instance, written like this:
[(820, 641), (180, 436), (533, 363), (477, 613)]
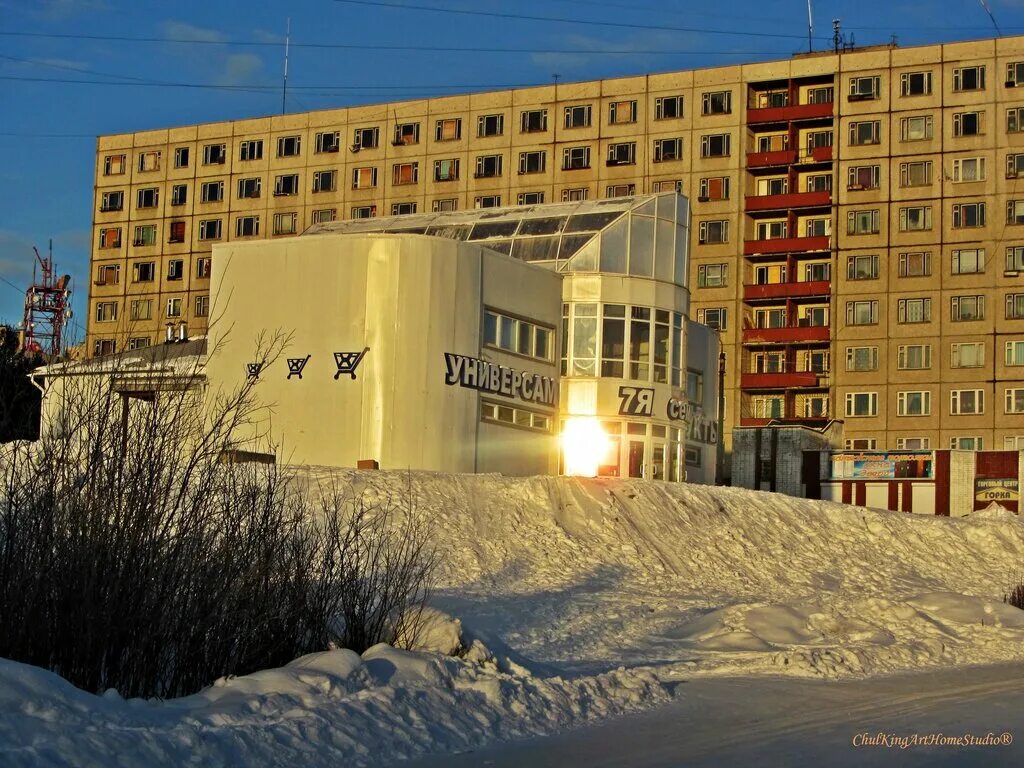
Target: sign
[(996, 489), (852, 465), (678, 410), (252, 370), (296, 364), (347, 362), (636, 401), (702, 429), (473, 373)]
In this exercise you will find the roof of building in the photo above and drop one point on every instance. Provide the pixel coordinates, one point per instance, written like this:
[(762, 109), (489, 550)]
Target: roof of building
[(177, 358)]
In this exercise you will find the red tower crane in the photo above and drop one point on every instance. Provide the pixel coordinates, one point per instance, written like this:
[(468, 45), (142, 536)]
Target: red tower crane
[(47, 308)]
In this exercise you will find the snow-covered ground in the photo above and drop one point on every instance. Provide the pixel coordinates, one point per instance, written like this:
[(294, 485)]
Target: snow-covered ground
[(594, 598)]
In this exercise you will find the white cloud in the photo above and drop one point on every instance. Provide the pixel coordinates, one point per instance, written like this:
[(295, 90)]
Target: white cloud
[(240, 69), (179, 30)]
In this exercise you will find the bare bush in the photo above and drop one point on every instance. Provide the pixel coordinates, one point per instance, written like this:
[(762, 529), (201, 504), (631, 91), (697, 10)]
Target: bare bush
[(1015, 595)]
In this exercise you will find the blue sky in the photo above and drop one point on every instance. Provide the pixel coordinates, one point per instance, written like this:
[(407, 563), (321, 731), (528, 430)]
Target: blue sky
[(48, 128)]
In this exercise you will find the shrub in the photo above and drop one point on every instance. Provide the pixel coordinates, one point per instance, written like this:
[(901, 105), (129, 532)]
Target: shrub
[(1015, 596)]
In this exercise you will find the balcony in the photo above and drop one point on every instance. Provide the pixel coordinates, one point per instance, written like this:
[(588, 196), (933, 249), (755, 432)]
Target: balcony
[(787, 245), (793, 290), (816, 155), (789, 418), (796, 334), (790, 112), (788, 201), (768, 159), (785, 380)]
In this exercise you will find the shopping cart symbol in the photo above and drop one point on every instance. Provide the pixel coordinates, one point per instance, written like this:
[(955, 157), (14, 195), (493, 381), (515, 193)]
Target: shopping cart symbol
[(347, 362), (252, 370), (296, 364)]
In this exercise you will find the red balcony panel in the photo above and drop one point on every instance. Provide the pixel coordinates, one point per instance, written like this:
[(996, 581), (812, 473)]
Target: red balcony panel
[(791, 112), (749, 421), (787, 290), (792, 200), (779, 380), (765, 159), (786, 245), (786, 335), (822, 154)]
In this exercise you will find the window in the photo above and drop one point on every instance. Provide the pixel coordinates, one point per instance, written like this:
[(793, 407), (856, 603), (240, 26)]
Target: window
[(179, 194), (914, 357), (203, 268), (575, 195), (249, 187), (862, 267), (919, 128), (967, 123), (175, 269), (212, 191), (862, 177), (530, 198), (177, 232), (1013, 443), (1015, 400), (202, 306), (149, 161), (964, 402), (289, 146), (214, 154), (209, 229), (916, 174), (819, 182), (251, 150), (174, 308), (713, 232), (110, 237), (716, 103), (817, 271), (861, 312), (912, 443), (1015, 211), (365, 138), (1014, 74), (967, 355), (915, 83), (325, 181), (181, 157), (966, 443), (1015, 258), (534, 121), (968, 261), (488, 166), (328, 141), (145, 272), (862, 358), (865, 132), (768, 406), (145, 235), (622, 154), (668, 107), (499, 413), (914, 310), (967, 308), (113, 165), (1014, 165), (863, 88), (112, 201), (446, 170), (713, 317), (446, 204), (862, 222), (772, 230), (519, 336), (712, 275), (714, 188), (915, 264), (364, 212), (532, 162), (621, 112), (287, 184), (487, 201), (108, 274), (620, 190), (247, 226), (405, 173), (916, 218), (861, 404), (106, 311), (667, 150), (1015, 120), (1014, 353), (148, 197), (914, 403), (1015, 306), (285, 223), (575, 158), (364, 178), (324, 215), (490, 125), (969, 78), (402, 209), (968, 215), (578, 116), (969, 169), (142, 309), (714, 145)]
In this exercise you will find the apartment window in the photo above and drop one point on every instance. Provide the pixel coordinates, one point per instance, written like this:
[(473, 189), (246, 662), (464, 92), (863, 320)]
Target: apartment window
[(405, 173), (967, 355), (1013, 443), (286, 185), (968, 261), (916, 218), (176, 269), (144, 272), (862, 267), (446, 170), (622, 154), (490, 125), (577, 116), (861, 312), (113, 165), (214, 154), (863, 177), (1015, 258), (251, 150), (916, 174), (967, 215), (713, 188), (181, 157), (819, 182), (772, 230), (713, 232), (914, 357), (110, 237), (918, 128), (145, 235), (209, 229), (149, 161), (967, 443), (912, 443), (177, 232), (914, 403), (1015, 120), (713, 317), (1015, 306), (286, 223), (212, 191), (173, 308), (533, 121), (488, 166), (112, 201), (364, 178), (519, 336), (445, 204), (147, 198), (860, 444), (667, 150), (365, 138), (862, 222), (289, 146), (203, 268), (914, 310), (1014, 353), (712, 275), (328, 141), (402, 209), (106, 311), (575, 195), (142, 309), (1015, 211), (714, 145), (862, 358), (325, 181), (967, 123), (620, 190), (1014, 165), (967, 308), (969, 78), (865, 132), (817, 271), (532, 162), (668, 107), (915, 83), (1014, 400), (325, 215), (716, 103), (964, 402), (487, 201), (519, 417), (179, 194), (915, 264), (621, 112), (202, 306), (864, 88), (768, 406), (108, 274), (861, 404), (249, 187), (1014, 74), (247, 226), (530, 198), (364, 212), (969, 169), (575, 158)]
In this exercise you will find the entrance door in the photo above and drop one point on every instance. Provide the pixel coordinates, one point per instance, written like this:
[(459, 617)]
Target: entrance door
[(636, 458), (658, 461)]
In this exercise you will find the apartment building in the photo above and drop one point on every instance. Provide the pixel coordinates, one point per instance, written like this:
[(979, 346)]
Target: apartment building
[(857, 221)]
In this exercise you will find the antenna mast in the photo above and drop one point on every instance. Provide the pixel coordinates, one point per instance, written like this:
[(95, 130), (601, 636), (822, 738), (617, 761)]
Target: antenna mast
[(284, 89), (46, 309), (810, 28)]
